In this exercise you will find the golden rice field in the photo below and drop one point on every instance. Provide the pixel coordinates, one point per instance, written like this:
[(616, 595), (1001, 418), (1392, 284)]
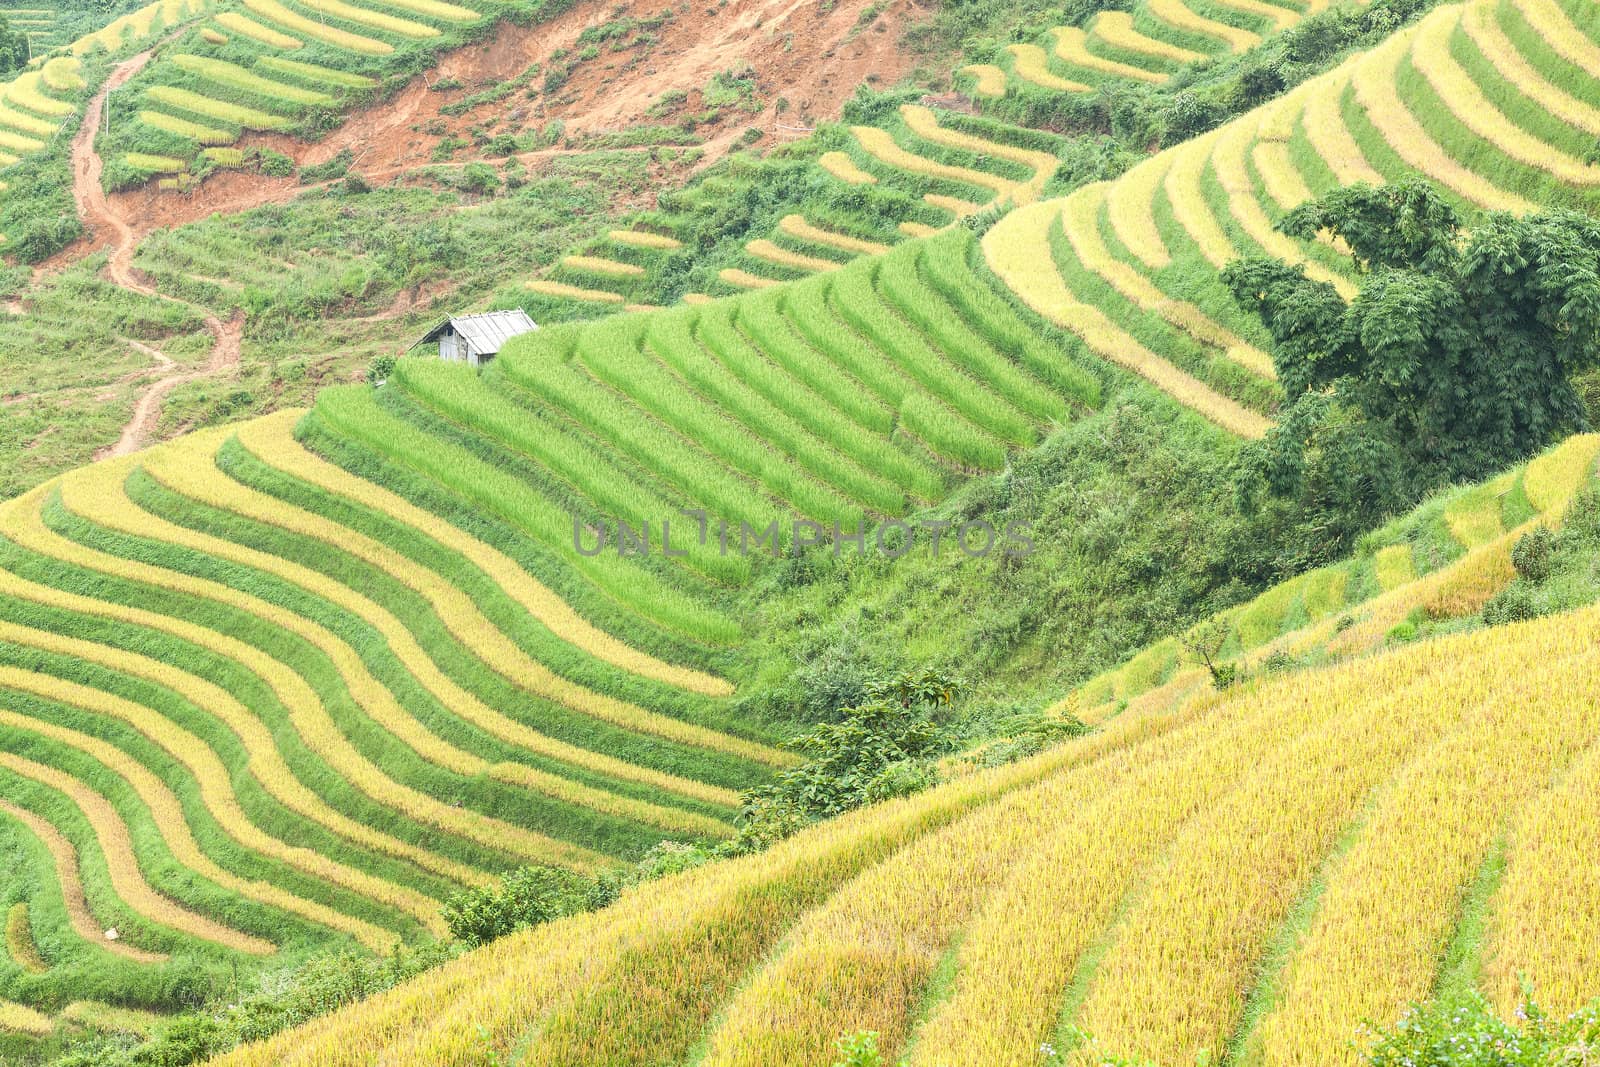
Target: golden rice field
[(1130, 266), (1253, 874)]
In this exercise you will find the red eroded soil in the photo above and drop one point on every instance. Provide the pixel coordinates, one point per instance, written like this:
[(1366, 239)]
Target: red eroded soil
[(809, 53)]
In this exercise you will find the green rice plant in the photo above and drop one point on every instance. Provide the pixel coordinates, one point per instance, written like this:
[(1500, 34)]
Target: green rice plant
[(612, 354), (762, 319), (19, 940), (313, 72), (64, 859), (460, 395), (352, 413), (855, 298), (244, 27), (236, 77), (902, 288), (950, 435), (672, 338), (197, 133), (945, 267), (767, 375), (276, 12), (235, 114)]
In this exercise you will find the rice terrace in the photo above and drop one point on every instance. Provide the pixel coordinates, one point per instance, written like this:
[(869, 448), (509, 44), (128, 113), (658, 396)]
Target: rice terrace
[(845, 533)]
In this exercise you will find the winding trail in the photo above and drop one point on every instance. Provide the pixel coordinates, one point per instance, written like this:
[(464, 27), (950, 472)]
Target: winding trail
[(99, 214)]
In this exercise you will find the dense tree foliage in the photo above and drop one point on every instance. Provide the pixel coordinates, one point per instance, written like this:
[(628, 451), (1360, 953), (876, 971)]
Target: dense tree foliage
[(1455, 359), (13, 47)]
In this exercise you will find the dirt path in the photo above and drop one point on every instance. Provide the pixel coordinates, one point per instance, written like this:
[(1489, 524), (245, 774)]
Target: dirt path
[(99, 214)]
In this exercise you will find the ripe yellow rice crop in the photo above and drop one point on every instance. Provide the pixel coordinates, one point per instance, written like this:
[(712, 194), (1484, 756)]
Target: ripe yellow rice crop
[(744, 279), (1228, 161), (1478, 20), (1279, 178), (1130, 209), (1080, 223), (861, 961), (644, 239), (1070, 48), (882, 147), (21, 1019), (309, 718), (109, 1018), (1116, 29), (27, 91), (63, 74), (19, 940), (990, 80), (925, 124), (225, 157), (1375, 943), (598, 265), (271, 439), (573, 292), (1326, 130), (236, 22), (1188, 200), (1556, 29), (31, 124), (697, 299), (1174, 13), (274, 11), (65, 859), (205, 483), (154, 164), (188, 471), (1374, 79), (954, 204), (1024, 947), (234, 114), (1018, 250), (1029, 62), (211, 36), (219, 800), (1553, 479), (1544, 925), (267, 766), (774, 253), (797, 227), (116, 843), (376, 19), (844, 168), (1430, 54), (436, 9), (184, 128), (235, 76), (1169, 987), (326, 75), (917, 229)]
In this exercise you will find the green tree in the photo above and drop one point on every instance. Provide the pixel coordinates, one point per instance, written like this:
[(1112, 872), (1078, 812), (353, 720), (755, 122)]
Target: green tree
[(13, 47), (1455, 359)]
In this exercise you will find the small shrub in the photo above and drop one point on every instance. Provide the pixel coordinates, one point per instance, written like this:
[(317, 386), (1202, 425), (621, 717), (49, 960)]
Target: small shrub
[(524, 898), (1469, 1034), (1534, 553)]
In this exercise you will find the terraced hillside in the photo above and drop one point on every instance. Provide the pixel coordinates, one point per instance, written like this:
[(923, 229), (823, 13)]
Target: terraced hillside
[(1250, 875), (291, 683)]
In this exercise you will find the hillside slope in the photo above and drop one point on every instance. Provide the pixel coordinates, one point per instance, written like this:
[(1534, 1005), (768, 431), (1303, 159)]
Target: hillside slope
[(1254, 874)]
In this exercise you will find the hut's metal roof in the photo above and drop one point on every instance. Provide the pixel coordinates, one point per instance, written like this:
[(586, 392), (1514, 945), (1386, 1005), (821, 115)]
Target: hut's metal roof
[(487, 332)]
